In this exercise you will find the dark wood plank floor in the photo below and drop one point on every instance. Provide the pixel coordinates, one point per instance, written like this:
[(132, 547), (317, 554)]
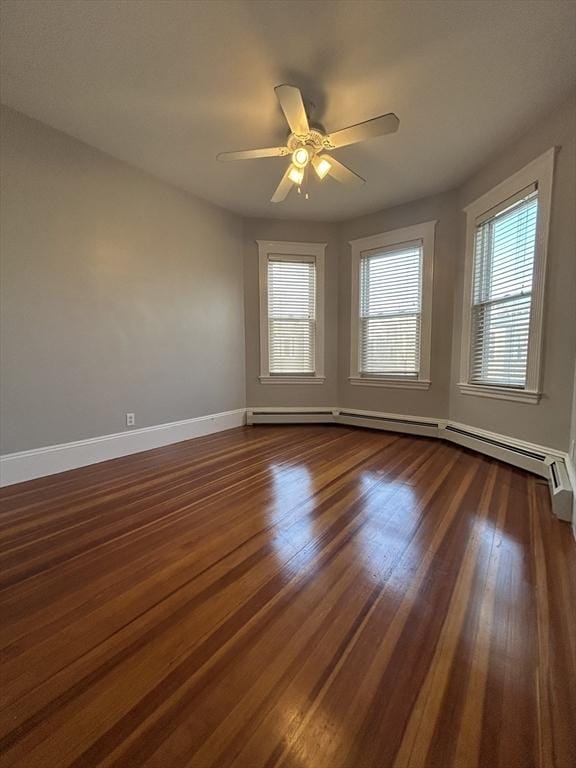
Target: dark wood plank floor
[(306, 597)]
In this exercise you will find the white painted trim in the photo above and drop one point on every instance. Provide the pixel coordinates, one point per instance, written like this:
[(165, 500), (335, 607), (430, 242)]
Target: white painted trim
[(287, 248), (424, 233), (39, 462), (394, 237), (368, 381), (527, 175), (499, 393), (291, 250), (540, 171), (292, 379)]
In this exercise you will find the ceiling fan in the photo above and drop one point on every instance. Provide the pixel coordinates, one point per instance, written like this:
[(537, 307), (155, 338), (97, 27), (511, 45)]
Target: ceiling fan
[(308, 144)]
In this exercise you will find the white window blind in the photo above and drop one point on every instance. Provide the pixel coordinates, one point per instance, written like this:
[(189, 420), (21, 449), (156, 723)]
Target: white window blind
[(502, 292), (291, 316), (390, 312)]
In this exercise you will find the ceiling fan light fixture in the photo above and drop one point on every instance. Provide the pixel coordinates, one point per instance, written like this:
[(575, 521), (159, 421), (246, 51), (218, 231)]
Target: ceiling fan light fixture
[(301, 157), (306, 144), (322, 166), (296, 175)]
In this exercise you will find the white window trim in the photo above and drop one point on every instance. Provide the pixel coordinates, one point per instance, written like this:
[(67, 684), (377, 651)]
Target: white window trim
[(267, 248), (539, 171), (424, 233)]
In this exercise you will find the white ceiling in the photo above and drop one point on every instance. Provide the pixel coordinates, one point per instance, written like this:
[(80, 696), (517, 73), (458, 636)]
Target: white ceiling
[(166, 85)]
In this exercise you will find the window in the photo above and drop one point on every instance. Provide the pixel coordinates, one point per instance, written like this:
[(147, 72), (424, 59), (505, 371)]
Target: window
[(502, 294), (502, 325), (391, 308), (390, 312), (291, 315), (291, 310)]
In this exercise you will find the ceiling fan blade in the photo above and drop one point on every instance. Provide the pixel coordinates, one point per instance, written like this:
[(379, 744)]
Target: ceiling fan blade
[(343, 174), (370, 129), (292, 105), (283, 188), (250, 154)]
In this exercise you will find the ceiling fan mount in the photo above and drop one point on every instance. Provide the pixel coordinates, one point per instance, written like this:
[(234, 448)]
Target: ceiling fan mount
[(309, 145)]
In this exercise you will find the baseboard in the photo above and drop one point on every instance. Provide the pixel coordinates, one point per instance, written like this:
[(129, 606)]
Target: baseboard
[(27, 465), (547, 462)]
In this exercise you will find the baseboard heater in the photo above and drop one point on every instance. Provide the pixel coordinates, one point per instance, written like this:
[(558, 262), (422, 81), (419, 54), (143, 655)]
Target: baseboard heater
[(342, 416), (560, 490), (290, 416), (550, 467), (388, 422), (523, 455), (499, 443), (513, 453)]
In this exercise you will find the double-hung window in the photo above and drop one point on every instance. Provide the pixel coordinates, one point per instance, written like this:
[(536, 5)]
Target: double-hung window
[(391, 311), (507, 232), (291, 312), (391, 308), (502, 293)]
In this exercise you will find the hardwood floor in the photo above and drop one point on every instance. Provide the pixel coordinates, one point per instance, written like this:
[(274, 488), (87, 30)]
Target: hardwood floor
[(306, 597)]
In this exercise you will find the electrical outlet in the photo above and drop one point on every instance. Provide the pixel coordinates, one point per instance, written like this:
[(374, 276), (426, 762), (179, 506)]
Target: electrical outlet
[(130, 419)]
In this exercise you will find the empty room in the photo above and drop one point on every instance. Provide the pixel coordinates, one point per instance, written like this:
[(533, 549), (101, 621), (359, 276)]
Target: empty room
[(288, 384)]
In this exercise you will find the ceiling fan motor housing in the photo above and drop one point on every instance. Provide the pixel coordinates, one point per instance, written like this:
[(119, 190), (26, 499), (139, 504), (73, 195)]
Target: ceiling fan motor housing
[(313, 142)]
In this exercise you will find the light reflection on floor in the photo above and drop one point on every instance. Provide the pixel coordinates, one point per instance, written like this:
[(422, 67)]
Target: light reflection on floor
[(385, 505), (501, 545), (294, 539), (390, 507), (381, 524)]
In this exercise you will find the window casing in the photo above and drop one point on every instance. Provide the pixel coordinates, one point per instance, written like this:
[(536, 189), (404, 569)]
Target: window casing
[(291, 312), (392, 275), (507, 235)]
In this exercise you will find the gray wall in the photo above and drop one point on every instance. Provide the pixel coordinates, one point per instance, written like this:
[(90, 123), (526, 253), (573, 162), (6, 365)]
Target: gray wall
[(119, 293), (432, 402), (258, 394), (548, 423)]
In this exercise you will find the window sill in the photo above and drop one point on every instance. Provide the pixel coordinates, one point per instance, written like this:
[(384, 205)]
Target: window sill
[(390, 383), (292, 379), (500, 393)]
